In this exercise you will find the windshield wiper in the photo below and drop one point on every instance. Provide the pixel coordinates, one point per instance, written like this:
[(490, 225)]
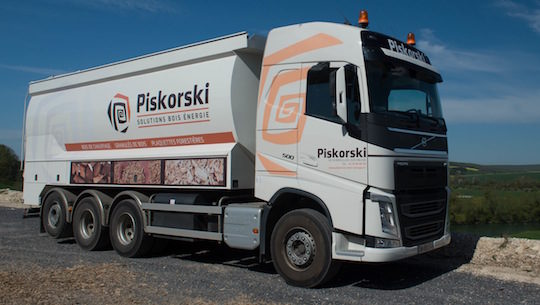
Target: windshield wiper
[(438, 121), (418, 114), (426, 117), (412, 116)]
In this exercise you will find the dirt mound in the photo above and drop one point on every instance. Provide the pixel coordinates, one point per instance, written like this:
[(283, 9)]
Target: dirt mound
[(11, 198), (515, 259), (519, 253)]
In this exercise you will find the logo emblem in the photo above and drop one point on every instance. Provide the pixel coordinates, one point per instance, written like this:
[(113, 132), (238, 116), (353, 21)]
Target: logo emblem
[(423, 142), (119, 112)]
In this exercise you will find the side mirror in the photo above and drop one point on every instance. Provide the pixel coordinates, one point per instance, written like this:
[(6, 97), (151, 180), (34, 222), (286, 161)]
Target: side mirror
[(341, 95)]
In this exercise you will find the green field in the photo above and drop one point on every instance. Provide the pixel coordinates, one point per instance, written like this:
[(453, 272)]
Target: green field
[(517, 179), (496, 195), (528, 234), (531, 231)]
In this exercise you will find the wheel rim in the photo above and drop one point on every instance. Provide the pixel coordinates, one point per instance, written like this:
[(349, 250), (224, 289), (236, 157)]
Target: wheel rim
[(125, 231), (87, 224), (54, 215), (300, 248)]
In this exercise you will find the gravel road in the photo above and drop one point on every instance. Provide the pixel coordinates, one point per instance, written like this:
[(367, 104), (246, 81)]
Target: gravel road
[(40, 270)]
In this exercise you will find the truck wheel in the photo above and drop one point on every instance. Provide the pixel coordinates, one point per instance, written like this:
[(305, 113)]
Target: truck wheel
[(127, 232), (87, 228), (53, 217), (301, 248)]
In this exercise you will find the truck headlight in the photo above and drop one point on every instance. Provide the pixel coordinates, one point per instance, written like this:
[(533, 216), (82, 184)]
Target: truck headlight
[(388, 220)]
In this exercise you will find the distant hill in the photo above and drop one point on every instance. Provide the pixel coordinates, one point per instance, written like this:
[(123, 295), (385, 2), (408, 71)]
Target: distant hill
[(460, 168)]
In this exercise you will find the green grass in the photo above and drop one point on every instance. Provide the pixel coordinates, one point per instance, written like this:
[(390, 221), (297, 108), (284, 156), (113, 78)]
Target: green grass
[(482, 178), (501, 194), (529, 230), (468, 191), (15, 186), (483, 206), (527, 234)]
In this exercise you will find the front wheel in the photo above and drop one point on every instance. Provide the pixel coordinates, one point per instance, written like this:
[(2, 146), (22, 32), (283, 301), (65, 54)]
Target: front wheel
[(301, 248), (127, 232)]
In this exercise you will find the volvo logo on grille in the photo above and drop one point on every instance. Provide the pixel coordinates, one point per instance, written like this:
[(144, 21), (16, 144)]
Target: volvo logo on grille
[(423, 142)]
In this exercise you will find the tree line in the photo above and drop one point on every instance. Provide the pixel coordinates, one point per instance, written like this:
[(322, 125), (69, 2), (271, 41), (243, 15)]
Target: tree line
[(10, 173)]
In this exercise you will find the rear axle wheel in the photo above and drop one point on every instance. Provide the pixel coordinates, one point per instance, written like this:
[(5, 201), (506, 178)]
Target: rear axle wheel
[(127, 231), (87, 227)]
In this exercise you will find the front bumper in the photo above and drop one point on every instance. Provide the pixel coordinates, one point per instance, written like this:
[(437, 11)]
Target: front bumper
[(352, 249)]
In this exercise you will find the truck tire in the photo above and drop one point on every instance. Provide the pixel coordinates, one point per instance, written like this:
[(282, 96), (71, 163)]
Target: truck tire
[(87, 227), (127, 231), (53, 217), (301, 248)]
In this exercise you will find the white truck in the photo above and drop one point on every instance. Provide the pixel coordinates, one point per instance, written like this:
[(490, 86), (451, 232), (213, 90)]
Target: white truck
[(319, 144)]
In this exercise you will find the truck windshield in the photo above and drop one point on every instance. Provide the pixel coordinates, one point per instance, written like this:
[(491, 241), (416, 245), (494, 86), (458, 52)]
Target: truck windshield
[(398, 87)]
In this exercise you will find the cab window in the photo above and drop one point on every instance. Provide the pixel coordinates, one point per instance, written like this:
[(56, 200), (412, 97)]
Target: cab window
[(321, 91), (353, 94), (320, 96)]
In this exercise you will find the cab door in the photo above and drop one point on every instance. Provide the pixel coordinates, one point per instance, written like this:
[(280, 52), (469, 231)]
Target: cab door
[(279, 118), (325, 145)]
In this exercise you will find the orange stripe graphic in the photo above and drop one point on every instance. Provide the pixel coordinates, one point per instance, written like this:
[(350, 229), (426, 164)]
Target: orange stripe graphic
[(315, 42), (288, 111), (274, 168), (210, 138), (291, 136)]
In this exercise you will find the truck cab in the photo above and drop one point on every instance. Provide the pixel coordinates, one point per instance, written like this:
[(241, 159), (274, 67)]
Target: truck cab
[(350, 121)]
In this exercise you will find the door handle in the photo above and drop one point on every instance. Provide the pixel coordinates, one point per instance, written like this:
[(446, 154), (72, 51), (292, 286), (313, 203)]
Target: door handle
[(309, 160)]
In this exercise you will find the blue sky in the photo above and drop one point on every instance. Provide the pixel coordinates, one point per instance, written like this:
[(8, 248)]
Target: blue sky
[(487, 51)]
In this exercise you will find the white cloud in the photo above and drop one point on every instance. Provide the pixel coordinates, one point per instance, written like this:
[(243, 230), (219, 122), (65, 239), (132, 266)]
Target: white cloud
[(521, 107), (446, 58), (34, 70), (520, 11), (484, 87)]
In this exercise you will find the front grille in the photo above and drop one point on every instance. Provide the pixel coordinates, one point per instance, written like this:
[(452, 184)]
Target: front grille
[(421, 200), (423, 208), (422, 214), (417, 175), (422, 231)]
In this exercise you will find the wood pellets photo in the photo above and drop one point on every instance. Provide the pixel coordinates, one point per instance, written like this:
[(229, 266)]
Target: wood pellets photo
[(195, 172), (137, 172), (91, 172)]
